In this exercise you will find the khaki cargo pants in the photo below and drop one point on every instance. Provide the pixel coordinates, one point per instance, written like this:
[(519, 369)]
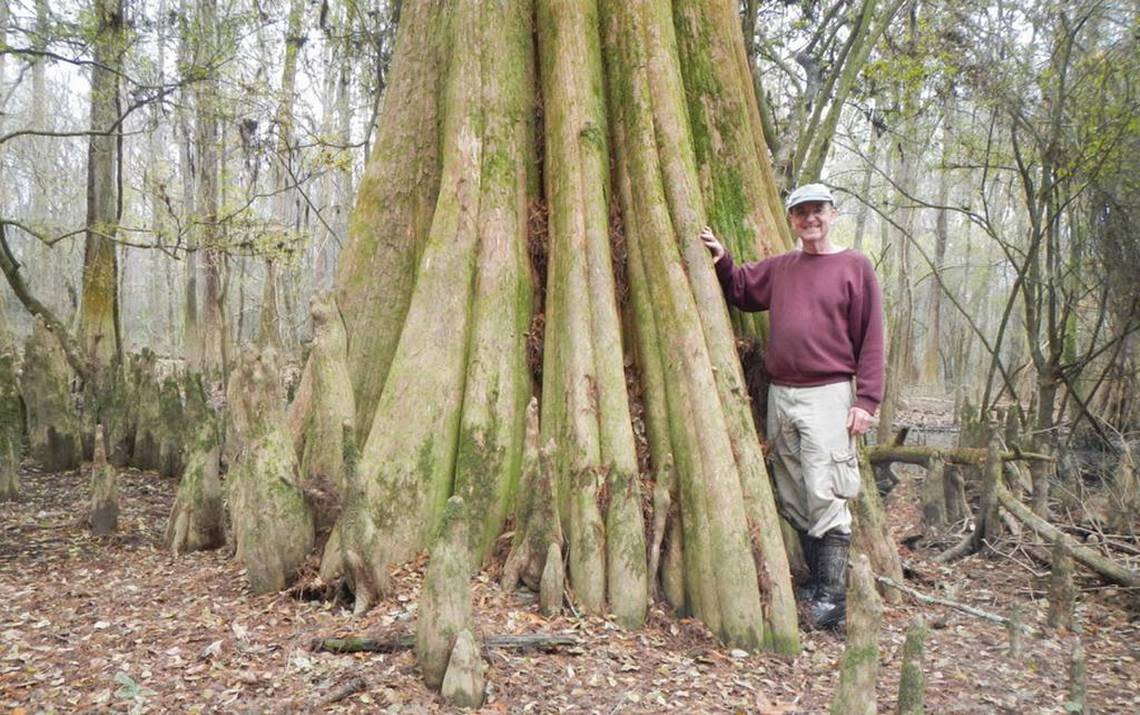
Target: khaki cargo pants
[(813, 455)]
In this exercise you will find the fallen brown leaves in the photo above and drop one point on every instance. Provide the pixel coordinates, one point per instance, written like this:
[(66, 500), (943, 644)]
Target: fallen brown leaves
[(118, 624)]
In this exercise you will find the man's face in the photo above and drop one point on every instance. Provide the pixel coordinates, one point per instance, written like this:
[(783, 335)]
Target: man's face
[(811, 220)]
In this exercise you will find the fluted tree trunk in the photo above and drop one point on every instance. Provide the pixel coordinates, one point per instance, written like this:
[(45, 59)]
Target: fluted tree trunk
[(436, 293)]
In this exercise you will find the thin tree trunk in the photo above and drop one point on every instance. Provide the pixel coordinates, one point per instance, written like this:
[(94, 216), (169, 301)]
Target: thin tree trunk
[(931, 368), (284, 196), (99, 306), (191, 329), (900, 329), (211, 323)]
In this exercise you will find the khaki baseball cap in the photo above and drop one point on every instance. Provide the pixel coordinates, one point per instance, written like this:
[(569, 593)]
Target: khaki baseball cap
[(809, 192)]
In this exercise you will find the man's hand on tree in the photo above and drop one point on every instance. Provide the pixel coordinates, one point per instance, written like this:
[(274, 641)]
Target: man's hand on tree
[(859, 420), (715, 248)]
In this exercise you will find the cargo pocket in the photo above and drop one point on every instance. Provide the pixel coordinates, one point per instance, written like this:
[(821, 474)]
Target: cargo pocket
[(846, 470)]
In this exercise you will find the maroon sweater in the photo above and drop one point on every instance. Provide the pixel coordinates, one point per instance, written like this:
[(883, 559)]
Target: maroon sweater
[(826, 318)]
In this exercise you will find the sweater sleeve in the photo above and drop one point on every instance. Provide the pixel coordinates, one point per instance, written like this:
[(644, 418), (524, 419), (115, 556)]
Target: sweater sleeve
[(745, 287), (868, 338)]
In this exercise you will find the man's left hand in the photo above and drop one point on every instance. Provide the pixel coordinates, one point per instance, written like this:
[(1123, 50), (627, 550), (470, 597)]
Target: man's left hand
[(859, 420)]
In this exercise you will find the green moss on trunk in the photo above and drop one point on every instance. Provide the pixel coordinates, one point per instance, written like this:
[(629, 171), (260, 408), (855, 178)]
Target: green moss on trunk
[(325, 403), (197, 518), (271, 522), (11, 427), (53, 424)]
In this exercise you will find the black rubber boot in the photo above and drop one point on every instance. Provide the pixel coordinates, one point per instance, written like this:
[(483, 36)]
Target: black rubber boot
[(805, 590), (829, 607)]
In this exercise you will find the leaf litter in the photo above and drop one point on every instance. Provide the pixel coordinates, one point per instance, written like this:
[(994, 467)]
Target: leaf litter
[(118, 624)]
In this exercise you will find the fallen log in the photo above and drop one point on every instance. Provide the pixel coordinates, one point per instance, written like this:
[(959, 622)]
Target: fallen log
[(970, 456), (1103, 565), (392, 644)]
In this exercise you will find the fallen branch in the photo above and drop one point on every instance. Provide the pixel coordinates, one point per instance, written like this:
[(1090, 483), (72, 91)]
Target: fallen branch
[(935, 600), (1103, 565), (397, 643)]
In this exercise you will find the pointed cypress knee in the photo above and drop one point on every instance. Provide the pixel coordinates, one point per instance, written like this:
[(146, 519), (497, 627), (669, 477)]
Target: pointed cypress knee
[(537, 525), (912, 680), (445, 599), (1062, 590), (860, 666), (332, 557), (1078, 680), (271, 520), (104, 490), (553, 583), (463, 683), (1015, 628), (197, 518), (587, 543)]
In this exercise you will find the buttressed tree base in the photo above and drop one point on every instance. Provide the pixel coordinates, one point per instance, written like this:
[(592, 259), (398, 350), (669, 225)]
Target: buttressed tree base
[(628, 125)]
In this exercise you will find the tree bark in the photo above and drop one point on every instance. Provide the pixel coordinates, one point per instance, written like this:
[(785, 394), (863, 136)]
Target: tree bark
[(470, 303), (284, 196), (870, 533), (99, 305), (444, 609), (537, 524), (197, 518), (583, 348), (325, 401), (395, 204), (930, 372), (706, 410)]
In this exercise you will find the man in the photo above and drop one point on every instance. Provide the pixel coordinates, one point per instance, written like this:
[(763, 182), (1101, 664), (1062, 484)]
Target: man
[(825, 361)]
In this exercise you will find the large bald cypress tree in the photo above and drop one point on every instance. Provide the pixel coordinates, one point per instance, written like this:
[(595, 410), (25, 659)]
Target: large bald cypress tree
[(627, 124)]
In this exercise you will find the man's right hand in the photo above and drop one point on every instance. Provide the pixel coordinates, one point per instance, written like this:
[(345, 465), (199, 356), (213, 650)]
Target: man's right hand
[(715, 248)]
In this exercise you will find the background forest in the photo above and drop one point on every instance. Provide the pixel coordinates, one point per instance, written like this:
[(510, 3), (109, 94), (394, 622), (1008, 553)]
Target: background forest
[(984, 154), (183, 179)]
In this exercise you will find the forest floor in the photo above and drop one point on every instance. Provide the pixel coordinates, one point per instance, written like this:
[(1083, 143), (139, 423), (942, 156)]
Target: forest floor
[(119, 624)]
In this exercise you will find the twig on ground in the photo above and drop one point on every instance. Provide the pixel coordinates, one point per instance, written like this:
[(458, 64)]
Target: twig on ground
[(1012, 556), (935, 600)]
